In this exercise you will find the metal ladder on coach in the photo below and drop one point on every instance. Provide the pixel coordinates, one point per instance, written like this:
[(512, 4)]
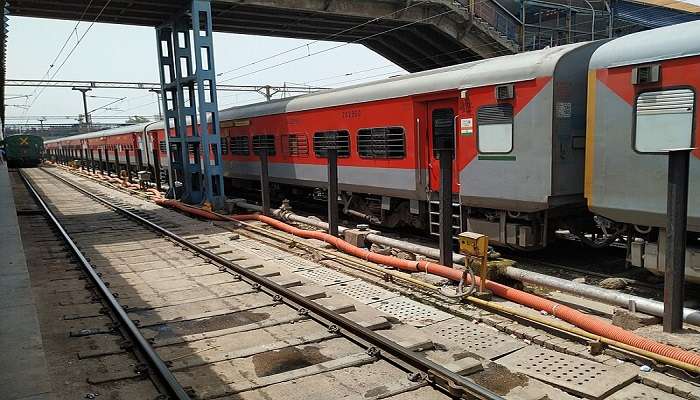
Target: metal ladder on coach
[(434, 216)]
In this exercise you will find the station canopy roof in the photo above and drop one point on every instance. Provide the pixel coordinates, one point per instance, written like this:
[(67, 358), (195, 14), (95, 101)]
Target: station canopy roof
[(416, 47), (689, 6)]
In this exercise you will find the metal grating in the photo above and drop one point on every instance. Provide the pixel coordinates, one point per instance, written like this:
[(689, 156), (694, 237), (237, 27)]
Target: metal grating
[(364, 292), (259, 249), (264, 142), (443, 129), (339, 140), (294, 264), (381, 142), (483, 341), (239, 145), (576, 375), (412, 312), (325, 276), (496, 114), (677, 101), (296, 145)]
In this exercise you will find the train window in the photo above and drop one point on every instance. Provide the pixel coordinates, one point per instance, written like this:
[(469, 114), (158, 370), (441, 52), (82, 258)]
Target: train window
[(296, 145), (339, 140), (239, 145), (664, 120), (264, 142), (495, 128), (162, 147), (224, 146), (381, 142), (443, 129)]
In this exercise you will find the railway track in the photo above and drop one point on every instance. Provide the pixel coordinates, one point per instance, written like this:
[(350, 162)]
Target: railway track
[(202, 322), (74, 317), (495, 351)]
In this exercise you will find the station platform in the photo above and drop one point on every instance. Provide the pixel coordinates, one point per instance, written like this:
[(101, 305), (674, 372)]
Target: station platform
[(23, 368)]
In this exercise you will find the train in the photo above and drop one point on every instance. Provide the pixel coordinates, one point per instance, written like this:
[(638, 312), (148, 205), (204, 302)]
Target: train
[(23, 150), (568, 138)]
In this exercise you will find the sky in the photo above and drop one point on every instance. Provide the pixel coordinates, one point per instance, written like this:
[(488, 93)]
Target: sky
[(128, 53)]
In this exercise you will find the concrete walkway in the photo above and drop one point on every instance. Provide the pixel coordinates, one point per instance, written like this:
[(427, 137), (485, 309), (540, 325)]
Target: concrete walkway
[(23, 370)]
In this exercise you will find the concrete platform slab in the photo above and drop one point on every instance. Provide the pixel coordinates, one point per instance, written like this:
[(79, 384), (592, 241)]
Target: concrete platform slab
[(484, 341), (258, 249), (293, 263), (584, 378), (364, 292), (637, 391), (412, 312), (325, 276), (23, 370)]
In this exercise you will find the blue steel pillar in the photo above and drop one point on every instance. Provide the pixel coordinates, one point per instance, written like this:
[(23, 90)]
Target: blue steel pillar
[(188, 82)]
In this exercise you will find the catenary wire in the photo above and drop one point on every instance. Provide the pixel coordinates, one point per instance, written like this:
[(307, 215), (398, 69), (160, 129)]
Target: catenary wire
[(331, 36), (75, 46)]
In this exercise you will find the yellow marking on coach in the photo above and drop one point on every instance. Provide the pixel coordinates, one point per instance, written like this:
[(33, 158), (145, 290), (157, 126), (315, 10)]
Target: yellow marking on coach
[(590, 136)]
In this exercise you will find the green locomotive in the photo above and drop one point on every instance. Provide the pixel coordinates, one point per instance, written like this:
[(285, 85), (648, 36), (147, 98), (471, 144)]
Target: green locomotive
[(23, 150)]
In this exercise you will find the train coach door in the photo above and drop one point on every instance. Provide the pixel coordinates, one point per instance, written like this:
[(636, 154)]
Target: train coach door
[(441, 133)]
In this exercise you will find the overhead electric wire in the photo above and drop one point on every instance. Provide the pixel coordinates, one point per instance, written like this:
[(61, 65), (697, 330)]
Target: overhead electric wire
[(456, 51), (359, 40), (107, 105), (461, 50), (141, 105), (75, 46), (331, 36), (63, 47), (74, 30), (354, 42), (339, 46), (106, 97)]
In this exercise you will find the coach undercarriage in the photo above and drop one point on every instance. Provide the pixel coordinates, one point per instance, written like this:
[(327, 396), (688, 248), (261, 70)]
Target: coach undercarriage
[(647, 249), (525, 231)]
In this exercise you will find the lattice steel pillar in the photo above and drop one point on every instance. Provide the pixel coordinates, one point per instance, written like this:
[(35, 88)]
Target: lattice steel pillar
[(188, 82)]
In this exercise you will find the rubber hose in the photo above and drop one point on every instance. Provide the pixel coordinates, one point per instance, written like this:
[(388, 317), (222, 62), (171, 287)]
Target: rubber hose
[(574, 317)]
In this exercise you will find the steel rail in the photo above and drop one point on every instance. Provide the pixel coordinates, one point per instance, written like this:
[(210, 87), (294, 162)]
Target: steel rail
[(168, 380), (376, 344)]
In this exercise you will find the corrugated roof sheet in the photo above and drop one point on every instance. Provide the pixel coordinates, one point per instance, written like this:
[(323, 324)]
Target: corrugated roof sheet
[(688, 6)]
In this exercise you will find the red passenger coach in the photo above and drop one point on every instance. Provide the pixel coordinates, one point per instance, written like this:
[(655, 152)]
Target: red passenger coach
[(518, 128), (643, 98), (109, 146), (516, 124)]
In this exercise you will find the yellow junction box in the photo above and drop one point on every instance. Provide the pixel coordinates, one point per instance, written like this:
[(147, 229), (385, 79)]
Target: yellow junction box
[(475, 247), (473, 244)]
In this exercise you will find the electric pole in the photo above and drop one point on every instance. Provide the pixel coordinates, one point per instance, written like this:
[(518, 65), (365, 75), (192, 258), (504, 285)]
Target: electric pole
[(160, 110), (85, 107)]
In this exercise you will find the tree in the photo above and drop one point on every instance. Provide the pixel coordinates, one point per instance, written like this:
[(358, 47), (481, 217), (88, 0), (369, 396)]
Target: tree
[(136, 119)]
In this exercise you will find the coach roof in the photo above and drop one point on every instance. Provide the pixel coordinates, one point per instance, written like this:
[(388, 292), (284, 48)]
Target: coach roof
[(492, 71), (109, 132), (675, 41)]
